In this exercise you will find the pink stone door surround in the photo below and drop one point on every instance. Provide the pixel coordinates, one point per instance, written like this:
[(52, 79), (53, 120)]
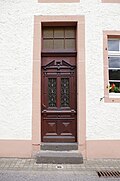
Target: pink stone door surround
[(81, 93)]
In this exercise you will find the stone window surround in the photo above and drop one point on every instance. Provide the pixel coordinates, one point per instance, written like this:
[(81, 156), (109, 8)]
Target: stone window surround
[(106, 35)]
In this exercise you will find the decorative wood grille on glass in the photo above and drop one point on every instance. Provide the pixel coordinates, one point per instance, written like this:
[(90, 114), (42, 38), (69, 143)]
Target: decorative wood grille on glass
[(114, 65), (52, 90), (59, 39), (65, 99)]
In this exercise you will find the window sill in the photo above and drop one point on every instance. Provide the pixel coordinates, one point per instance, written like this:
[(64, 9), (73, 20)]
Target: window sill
[(58, 1), (114, 95), (110, 1), (112, 98)]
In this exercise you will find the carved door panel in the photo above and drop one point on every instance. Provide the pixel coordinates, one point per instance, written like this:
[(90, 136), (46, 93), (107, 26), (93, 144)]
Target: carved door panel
[(59, 99)]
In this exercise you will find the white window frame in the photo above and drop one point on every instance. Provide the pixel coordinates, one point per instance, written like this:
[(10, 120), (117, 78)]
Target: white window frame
[(113, 54)]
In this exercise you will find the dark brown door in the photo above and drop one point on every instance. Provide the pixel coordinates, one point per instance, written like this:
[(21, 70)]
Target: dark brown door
[(59, 99)]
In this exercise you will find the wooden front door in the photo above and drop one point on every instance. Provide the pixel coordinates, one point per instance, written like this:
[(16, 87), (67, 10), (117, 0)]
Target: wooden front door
[(59, 99)]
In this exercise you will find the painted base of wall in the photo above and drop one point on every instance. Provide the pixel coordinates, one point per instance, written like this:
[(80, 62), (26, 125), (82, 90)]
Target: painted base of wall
[(16, 148), (93, 149), (103, 149)]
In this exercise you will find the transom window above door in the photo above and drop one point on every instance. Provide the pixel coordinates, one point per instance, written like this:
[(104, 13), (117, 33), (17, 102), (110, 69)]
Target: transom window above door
[(59, 39)]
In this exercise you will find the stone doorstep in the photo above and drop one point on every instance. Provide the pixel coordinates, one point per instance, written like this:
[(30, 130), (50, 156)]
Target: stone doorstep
[(59, 146), (59, 157)]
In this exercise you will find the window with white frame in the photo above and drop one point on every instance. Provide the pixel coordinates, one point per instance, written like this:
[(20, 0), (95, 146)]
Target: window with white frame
[(114, 65)]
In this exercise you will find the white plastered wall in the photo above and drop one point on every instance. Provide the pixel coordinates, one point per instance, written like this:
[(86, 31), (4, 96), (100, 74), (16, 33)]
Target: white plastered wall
[(16, 56)]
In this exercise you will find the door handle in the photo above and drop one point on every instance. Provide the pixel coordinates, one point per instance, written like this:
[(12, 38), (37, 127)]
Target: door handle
[(44, 106)]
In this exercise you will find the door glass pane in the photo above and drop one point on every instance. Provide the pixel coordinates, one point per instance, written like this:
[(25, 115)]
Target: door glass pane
[(48, 44), (114, 62), (113, 45), (69, 32), (59, 44), (65, 97), (70, 44), (48, 32), (52, 90), (59, 32)]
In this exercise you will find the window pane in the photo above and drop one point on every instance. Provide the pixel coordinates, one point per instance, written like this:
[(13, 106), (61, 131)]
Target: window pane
[(114, 74), (48, 33), (114, 87), (52, 89), (59, 44), (114, 62), (65, 92), (70, 44), (70, 32), (48, 44), (113, 45), (58, 33)]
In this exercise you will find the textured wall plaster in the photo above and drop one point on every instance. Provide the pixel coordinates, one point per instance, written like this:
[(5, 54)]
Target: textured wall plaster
[(16, 56)]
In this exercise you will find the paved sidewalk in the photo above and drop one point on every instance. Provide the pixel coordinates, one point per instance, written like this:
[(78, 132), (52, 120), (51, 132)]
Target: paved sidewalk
[(15, 169), (17, 164)]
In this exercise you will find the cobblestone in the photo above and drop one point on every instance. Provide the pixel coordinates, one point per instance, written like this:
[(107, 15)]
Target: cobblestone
[(30, 164)]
